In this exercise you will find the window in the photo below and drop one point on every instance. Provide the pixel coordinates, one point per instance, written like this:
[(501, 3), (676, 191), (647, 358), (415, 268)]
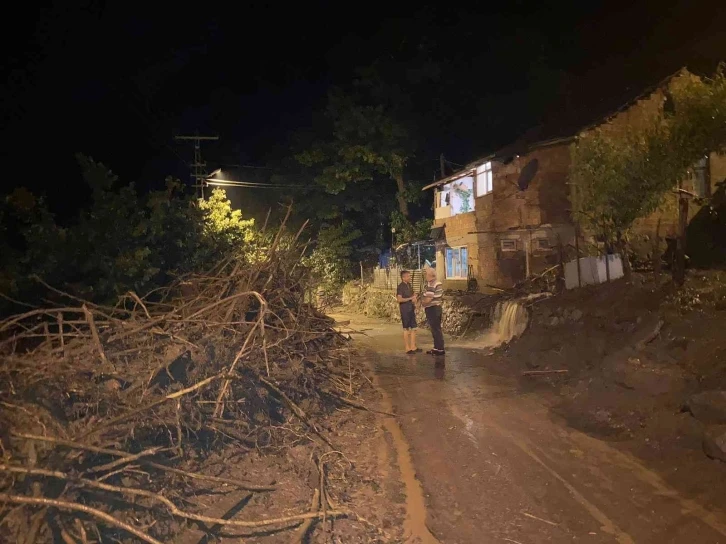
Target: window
[(457, 262), (443, 199), (484, 180), (542, 243), (459, 195), (509, 245)]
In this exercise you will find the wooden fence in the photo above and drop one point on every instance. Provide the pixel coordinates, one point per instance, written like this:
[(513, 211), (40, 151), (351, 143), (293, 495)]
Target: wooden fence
[(389, 278)]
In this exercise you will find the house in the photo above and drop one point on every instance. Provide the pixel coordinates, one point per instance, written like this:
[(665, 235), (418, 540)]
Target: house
[(507, 215)]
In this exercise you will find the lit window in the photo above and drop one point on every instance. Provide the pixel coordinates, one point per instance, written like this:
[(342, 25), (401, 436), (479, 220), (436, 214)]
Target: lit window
[(509, 245), (444, 199), (484, 183), (542, 243), (457, 262)]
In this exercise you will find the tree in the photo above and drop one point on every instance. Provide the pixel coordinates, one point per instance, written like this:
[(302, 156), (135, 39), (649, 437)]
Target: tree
[(330, 257), (122, 241), (365, 144), (620, 177)]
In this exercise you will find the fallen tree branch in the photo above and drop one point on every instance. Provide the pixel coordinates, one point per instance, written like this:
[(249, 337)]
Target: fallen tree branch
[(295, 409), (124, 455), (358, 405), (302, 532), (198, 476), (651, 336), (173, 509), (127, 459), (75, 507)]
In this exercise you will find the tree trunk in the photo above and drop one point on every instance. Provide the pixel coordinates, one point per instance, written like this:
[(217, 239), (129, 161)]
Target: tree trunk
[(607, 261), (623, 248), (656, 254), (679, 267), (402, 204), (577, 254)]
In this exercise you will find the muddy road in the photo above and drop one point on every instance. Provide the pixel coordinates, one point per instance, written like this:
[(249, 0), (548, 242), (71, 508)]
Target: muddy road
[(495, 466)]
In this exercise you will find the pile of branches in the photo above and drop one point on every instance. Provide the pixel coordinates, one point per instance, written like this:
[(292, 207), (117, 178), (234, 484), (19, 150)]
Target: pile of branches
[(107, 414)]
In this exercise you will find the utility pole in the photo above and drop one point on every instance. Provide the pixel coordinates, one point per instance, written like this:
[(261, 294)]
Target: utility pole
[(199, 172)]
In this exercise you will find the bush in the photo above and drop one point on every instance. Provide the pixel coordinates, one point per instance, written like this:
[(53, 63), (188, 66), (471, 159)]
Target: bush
[(122, 242)]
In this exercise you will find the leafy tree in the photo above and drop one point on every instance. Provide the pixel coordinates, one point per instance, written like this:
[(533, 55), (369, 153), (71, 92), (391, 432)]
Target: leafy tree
[(366, 144), (330, 259), (123, 241), (407, 232), (620, 177)]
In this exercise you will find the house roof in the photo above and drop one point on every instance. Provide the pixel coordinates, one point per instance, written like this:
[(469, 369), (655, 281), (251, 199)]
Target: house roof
[(565, 123)]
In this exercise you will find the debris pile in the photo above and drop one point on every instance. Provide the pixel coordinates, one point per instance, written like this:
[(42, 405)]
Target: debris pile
[(107, 414)]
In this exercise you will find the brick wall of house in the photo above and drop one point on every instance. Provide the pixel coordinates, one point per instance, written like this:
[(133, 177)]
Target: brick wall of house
[(509, 213), (718, 169), (638, 116), (500, 213)]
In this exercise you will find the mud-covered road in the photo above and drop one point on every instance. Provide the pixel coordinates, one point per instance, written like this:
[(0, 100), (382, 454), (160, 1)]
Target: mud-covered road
[(495, 466)]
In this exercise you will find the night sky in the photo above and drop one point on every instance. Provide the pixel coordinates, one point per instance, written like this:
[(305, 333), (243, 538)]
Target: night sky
[(117, 82)]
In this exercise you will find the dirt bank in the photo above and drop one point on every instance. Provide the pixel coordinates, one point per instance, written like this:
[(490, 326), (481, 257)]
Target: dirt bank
[(631, 359)]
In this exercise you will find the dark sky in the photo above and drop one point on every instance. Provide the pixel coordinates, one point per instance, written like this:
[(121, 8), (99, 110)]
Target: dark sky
[(116, 80)]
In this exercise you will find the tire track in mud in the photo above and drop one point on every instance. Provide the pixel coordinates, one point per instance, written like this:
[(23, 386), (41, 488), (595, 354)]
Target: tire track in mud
[(415, 526)]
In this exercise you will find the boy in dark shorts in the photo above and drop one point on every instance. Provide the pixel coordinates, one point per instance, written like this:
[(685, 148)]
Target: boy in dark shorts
[(407, 305)]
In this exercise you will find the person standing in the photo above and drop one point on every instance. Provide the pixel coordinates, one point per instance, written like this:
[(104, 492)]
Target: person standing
[(407, 305), (432, 299)]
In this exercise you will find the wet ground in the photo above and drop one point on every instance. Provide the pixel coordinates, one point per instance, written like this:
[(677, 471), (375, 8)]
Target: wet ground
[(495, 466)]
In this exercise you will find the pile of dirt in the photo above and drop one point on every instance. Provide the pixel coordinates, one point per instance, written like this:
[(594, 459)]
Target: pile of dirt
[(640, 365), (625, 359), (111, 417)]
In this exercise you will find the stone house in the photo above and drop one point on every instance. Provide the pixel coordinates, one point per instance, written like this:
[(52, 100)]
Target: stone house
[(507, 215)]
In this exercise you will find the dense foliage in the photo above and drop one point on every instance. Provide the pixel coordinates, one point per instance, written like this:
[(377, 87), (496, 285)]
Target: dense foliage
[(123, 241), (619, 177)]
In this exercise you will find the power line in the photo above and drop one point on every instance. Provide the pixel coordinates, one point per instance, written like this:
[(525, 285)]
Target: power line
[(251, 184), (246, 166)]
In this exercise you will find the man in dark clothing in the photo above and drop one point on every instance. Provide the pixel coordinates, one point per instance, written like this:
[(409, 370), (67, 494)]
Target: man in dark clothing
[(432, 299), (407, 305)]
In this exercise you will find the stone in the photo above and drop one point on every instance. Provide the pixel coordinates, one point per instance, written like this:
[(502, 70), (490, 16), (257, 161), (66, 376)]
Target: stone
[(554, 321), (634, 373), (708, 407), (679, 343), (576, 314), (714, 442)]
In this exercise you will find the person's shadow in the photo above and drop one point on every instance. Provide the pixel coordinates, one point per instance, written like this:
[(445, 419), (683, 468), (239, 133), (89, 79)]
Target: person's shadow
[(439, 368)]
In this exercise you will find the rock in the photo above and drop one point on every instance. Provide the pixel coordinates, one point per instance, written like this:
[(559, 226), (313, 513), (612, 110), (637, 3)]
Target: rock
[(708, 407), (678, 343), (628, 327), (714, 442), (554, 321), (638, 375), (576, 314)]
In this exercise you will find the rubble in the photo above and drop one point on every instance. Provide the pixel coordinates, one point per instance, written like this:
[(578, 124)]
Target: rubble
[(708, 407), (108, 413), (714, 442)]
